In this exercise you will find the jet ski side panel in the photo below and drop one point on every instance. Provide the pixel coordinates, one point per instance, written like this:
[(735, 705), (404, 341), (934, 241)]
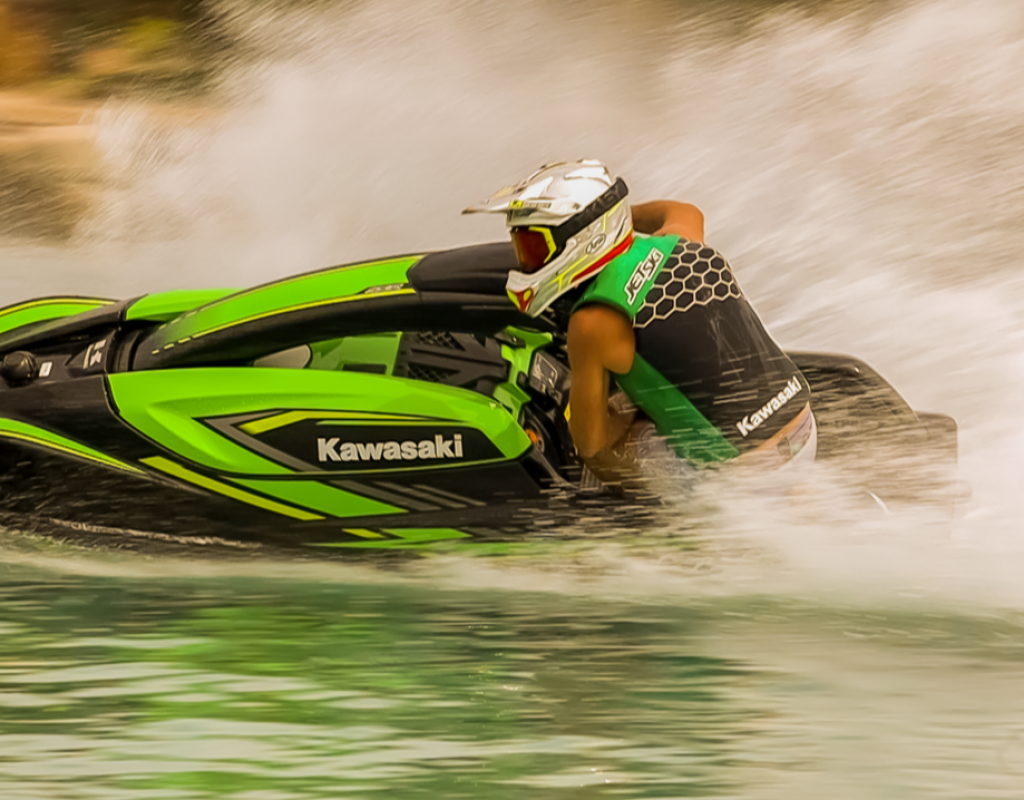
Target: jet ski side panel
[(78, 467), (198, 414), (310, 444)]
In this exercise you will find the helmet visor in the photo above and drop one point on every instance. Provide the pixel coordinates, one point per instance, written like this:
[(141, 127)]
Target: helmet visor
[(535, 247)]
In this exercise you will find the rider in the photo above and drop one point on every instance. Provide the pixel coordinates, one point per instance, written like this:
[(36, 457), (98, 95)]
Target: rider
[(656, 311)]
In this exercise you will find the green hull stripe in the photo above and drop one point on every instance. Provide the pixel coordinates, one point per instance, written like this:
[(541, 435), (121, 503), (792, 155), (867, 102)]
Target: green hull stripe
[(47, 308), (259, 426), (178, 471), (165, 306), (365, 534), (406, 537), (317, 496), (305, 277), (278, 311), (12, 429), (326, 288), (426, 534), (688, 431)]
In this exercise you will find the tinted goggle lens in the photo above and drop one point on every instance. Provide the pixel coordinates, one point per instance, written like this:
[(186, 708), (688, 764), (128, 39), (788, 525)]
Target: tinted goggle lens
[(533, 248)]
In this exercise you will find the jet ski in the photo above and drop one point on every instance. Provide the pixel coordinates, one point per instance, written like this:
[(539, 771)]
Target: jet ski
[(382, 404)]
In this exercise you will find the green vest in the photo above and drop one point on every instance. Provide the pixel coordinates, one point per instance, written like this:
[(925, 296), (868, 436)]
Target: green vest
[(623, 284)]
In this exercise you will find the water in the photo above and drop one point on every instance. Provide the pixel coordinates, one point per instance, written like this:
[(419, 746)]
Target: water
[(255, 687), (860, 165)]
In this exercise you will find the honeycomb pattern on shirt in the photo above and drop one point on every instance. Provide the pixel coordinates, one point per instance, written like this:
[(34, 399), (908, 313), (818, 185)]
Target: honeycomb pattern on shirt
[(696, 275)]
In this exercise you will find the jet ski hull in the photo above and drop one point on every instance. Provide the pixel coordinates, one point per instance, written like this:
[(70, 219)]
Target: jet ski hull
[(375, 405)]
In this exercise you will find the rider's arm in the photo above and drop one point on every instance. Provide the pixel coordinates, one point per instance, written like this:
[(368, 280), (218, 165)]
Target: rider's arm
[(600, 341), (664, 217)]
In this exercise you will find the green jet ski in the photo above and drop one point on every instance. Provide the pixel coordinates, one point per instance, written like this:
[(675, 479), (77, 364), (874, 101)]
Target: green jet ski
[(380, 404)]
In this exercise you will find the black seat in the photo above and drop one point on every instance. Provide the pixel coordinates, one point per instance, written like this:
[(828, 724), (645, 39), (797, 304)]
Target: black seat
[(478, 269)]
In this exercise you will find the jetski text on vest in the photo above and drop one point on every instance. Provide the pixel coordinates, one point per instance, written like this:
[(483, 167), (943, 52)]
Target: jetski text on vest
[(438, 447), (644, 272), (753, 421)]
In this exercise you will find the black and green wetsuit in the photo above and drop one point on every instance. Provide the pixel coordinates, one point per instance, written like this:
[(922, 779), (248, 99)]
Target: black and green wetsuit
[(706, 371)]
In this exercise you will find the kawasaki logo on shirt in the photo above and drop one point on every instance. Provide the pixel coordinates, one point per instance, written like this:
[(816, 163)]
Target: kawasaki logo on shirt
[(753, 421), (334, 449)]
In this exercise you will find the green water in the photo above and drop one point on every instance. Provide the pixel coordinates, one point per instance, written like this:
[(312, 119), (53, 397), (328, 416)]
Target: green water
[(234, 686), (243, 689)]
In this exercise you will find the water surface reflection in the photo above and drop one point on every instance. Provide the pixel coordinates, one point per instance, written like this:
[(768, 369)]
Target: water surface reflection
[(258, 689)]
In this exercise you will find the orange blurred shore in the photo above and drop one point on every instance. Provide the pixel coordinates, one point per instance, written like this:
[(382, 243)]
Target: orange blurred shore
[(54, 79), (39, 124), (50, 167), (48, 164)]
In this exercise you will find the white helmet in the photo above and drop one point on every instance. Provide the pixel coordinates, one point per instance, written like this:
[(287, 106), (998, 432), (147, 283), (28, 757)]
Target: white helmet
[(567, 221)]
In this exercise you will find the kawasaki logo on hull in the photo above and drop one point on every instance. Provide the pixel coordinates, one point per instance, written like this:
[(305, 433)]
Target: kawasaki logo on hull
[(317, 440), (333, 449), (753, 421)]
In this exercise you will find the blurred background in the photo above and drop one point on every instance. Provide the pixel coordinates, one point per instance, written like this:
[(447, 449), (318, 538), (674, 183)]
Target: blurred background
[(58, 62)]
